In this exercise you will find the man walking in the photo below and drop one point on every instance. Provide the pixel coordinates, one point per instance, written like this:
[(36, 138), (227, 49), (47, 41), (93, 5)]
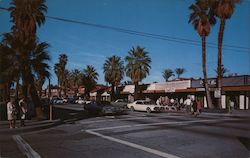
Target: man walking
[(23, 110)]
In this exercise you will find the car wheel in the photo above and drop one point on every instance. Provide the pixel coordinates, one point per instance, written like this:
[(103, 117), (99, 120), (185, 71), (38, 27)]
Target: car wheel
[(132, 108), (148, 110)]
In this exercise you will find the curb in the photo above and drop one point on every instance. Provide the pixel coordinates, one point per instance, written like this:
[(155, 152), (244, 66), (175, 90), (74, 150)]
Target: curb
[(31, 128), (227, 115)]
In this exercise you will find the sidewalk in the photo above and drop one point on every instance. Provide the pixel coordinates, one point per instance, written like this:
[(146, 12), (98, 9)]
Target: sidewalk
[(235, 113), (30, 125)]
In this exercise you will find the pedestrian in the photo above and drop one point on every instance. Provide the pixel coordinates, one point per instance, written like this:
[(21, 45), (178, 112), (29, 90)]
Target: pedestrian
[(158, 102), (198, 107), (23, 111), (12, 113), (194, 106), (231, 105), (187, 104)]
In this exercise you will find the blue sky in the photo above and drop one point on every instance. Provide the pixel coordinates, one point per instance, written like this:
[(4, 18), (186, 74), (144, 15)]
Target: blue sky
[(86, 45)]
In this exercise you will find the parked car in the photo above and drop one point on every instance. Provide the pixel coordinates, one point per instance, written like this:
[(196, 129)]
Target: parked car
[(72, 100), (120, 103), (56, 100), (143, 105), (104, 108)]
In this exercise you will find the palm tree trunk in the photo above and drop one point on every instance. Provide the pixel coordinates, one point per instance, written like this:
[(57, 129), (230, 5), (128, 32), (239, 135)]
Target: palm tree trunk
[(35, 98), (219, 67), (209, 100), (112, 91), (25, 90), (59, 88), (16, 90), (136, 91)]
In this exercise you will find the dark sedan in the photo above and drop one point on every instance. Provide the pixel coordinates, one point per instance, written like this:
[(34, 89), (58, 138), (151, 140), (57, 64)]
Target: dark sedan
[(103, 108)]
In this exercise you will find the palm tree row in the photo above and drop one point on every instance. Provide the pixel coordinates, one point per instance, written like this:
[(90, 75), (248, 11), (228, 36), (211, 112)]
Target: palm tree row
[(25, 59), (68, 79), (203, 16), (167, 73), (137, 68)]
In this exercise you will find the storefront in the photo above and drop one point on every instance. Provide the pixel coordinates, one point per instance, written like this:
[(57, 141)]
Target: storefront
[(172, 89), (236, 88)]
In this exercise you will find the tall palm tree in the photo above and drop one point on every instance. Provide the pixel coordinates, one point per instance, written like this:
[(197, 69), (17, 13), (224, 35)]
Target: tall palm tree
[(8, 70), (202, 19), (26, 15), (167, 73), (26, 65), (75, 77), (38, 66), (179, 71), (138, 66), (60, 71), (224, 11), (113, 70), (90, 77), (12, 64)]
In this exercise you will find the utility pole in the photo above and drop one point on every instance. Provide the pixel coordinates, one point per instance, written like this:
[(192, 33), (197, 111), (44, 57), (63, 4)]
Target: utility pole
[(50, 105)]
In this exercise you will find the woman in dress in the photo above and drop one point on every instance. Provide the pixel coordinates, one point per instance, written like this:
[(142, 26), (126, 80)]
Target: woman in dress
[(11, 111)]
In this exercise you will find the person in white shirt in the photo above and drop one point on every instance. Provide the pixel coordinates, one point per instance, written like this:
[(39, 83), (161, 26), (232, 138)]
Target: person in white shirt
[(11, 113), (187, 104), (231, 104)]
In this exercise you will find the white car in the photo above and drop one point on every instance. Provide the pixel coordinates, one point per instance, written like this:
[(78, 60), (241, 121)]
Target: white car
[(143, 105)]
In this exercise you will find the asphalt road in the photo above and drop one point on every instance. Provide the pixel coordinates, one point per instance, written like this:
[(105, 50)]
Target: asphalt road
[(136, 135)]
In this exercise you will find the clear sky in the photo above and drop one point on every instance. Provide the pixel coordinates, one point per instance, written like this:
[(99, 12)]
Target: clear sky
[(86, 45)]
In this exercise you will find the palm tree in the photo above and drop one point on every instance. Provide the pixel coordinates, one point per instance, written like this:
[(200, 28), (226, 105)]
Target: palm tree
[(27, 65), (224, 11), (75, 78), (138, 66), (60, 71), (40, 80), (7, 70), (89, 78), (113, 70), (12, 65), (167, 73), (223, 71), (38, 67), (26, 15), (179, 71), (202, 19)]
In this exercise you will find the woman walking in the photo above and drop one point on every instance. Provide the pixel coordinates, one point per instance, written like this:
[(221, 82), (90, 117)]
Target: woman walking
[(198, 107), (12, 113)]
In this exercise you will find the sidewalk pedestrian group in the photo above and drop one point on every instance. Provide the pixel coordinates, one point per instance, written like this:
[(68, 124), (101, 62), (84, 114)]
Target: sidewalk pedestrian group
[(13, 111)]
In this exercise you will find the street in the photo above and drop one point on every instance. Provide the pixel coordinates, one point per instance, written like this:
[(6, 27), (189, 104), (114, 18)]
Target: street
[(137, 134)]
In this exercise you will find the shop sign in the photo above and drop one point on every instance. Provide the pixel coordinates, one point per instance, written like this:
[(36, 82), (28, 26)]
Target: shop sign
[(200, 89), (172, 89), (210, 82), (217, 93)]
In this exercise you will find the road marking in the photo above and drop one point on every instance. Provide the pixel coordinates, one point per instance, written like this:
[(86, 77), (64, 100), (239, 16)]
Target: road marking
[(158, 123), (133, 145), (25, 147), (125, 119)]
